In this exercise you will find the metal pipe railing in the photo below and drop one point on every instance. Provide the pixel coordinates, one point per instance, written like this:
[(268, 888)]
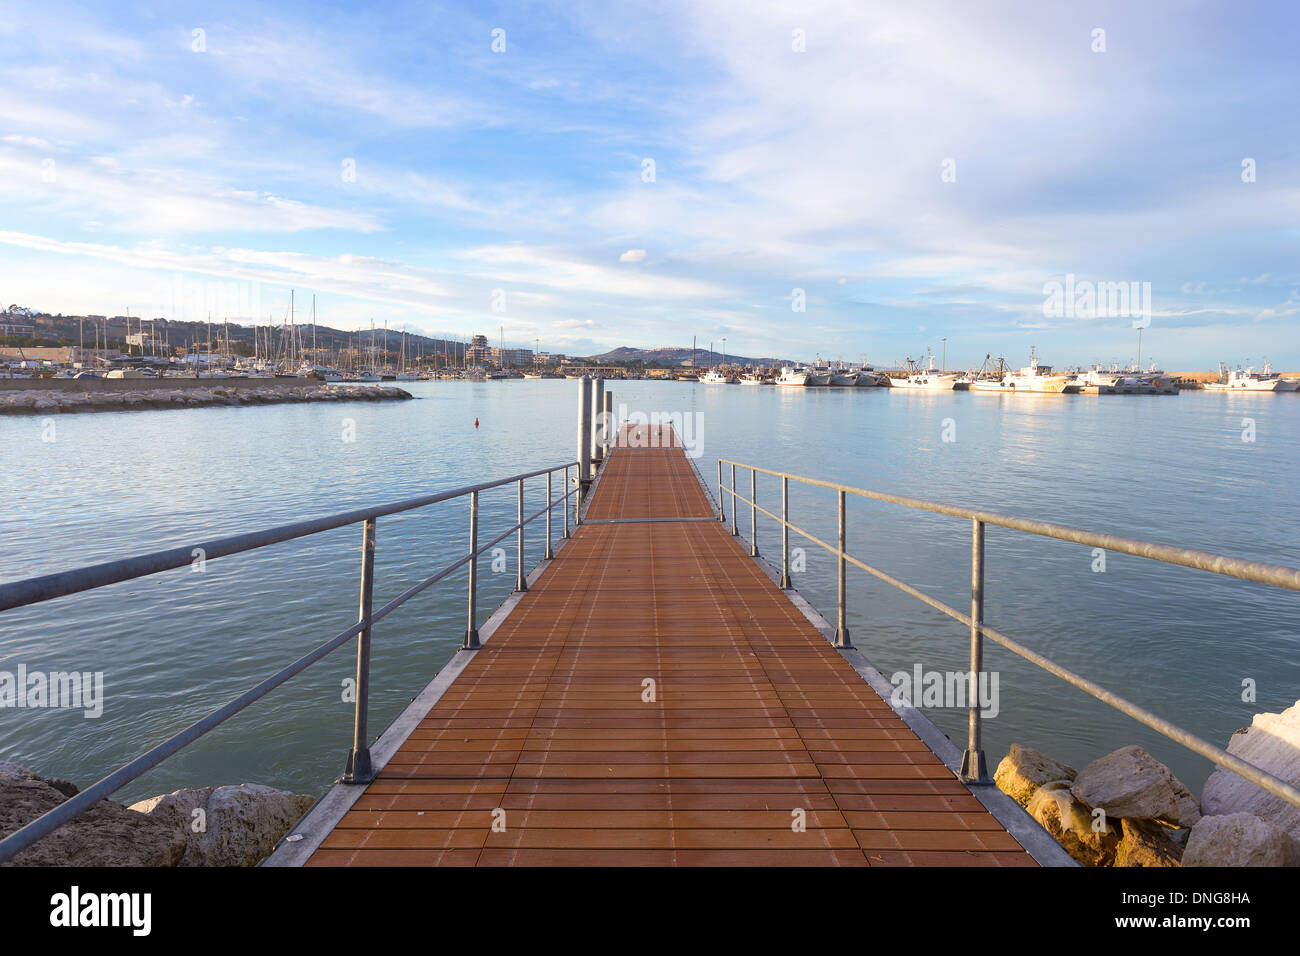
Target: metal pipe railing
[(359, 767), (974, 766)]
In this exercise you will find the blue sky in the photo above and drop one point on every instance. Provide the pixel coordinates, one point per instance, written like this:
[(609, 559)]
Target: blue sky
[(506, 189)]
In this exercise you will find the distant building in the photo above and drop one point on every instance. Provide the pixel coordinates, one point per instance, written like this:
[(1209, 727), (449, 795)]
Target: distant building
[(17, 325), (508, 357), (480, 353)]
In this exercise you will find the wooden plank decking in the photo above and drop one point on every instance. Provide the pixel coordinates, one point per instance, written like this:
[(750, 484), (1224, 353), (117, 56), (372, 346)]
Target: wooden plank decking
[(755, 715)]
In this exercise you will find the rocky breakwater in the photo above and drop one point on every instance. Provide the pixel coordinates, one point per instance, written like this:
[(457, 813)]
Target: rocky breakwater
[(1128, 809), (44, 402), (212, 826)]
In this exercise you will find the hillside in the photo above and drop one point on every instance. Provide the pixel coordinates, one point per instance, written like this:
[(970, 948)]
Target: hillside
[(681, 357)]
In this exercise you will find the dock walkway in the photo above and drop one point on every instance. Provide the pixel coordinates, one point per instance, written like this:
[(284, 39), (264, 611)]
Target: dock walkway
[(655, 699)]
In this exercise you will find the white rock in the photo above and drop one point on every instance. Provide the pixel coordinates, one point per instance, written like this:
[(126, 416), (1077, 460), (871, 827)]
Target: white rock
[(1272, 743), (1239, 839), (240, 824), (1132, 784)]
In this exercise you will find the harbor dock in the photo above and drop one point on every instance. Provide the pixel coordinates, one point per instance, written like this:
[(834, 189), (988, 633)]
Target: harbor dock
[(655, 698)]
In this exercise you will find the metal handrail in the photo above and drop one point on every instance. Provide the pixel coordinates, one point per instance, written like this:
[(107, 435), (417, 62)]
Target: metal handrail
[(974, 767), (358, 768)]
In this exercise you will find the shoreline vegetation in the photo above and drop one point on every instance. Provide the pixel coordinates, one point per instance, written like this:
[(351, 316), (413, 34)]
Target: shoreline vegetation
[(193, 393)]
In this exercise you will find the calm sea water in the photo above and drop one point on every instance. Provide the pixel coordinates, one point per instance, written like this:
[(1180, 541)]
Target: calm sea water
[(175, 646)]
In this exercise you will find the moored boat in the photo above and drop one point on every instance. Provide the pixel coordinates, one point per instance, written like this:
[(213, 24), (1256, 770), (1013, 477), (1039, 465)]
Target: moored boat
[(1244, 380), (928, 379), (1034, 378), (796, 376)]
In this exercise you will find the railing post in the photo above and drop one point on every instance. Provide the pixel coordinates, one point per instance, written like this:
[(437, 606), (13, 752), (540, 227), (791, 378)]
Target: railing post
[(359, 769), (521, 582), (722, 512), (785, 532), (842, 628), (565, 504), (753, 512), (597, 410), (471, 630), (608, 423), (973, 766), (550, 506), (584, 444), (733, 501)]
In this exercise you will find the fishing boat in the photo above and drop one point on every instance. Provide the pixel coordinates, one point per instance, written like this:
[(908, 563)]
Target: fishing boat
[(869, 377), (1244, 380), (1283, 384), (753, 378), (843, 376), (819, 375), (1034, 377), (928, 379), (793, 376), (715, 377)]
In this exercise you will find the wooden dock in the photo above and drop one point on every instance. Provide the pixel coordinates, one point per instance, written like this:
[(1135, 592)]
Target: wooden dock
[(655, 699)]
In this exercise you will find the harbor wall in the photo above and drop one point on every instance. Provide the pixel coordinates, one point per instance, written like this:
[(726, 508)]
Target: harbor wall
[(139, 384)]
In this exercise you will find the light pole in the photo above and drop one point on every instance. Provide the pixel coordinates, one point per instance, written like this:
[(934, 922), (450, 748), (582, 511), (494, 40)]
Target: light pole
[(944, 364), (724, 351)]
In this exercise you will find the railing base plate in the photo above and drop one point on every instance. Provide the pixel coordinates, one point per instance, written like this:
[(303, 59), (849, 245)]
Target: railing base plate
[(974, 769)]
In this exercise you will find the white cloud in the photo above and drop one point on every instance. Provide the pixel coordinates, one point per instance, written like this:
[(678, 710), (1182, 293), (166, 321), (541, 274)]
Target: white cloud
[(632, 255)]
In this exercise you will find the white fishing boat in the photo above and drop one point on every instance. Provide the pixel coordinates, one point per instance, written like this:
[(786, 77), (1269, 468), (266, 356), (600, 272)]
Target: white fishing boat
[(1033, 378), (1244, 380), (1283, 384), (928, 379), (753, 378), (1103, 381), (793, 376), (715, 377)]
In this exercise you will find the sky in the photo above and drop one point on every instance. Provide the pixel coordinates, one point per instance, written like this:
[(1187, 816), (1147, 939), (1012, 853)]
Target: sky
[(854, 180)]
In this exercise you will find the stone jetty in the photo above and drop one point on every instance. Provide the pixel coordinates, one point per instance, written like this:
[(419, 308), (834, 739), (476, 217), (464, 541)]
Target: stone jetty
[(188, 393)]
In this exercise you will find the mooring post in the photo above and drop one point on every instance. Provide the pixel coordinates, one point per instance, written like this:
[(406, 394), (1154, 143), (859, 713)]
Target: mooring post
[(753, 512), (842, 628), (471, 631), (785, 532), (974, 769), (359, 769), (584, 445)]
